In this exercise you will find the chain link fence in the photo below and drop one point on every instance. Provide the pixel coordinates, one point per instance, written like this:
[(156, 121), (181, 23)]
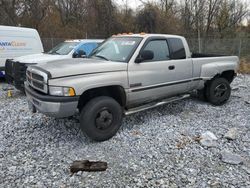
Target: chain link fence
[(237, 46), (49, 43)]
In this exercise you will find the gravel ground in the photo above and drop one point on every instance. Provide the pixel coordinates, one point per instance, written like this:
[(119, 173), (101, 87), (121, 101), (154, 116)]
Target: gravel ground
[(155, 148)]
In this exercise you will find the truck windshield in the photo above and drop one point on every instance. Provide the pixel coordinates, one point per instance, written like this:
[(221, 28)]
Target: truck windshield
[(117, 49), (63, 48)]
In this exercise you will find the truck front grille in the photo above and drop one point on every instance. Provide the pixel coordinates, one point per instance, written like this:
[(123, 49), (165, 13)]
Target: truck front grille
[(38, 85), (37, 77), (37, 80)]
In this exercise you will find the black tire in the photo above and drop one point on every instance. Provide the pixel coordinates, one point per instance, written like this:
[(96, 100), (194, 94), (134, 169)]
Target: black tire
[(101, 118), (218, 91)]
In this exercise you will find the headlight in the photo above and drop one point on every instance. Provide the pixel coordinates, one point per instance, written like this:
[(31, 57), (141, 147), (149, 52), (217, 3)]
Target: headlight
[(62, 91)]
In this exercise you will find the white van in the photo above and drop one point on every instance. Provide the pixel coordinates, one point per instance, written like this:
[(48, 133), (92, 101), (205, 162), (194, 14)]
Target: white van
[(18, 41)]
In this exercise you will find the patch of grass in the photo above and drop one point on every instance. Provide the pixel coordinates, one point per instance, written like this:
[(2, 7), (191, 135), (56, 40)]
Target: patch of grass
[(244, 66)]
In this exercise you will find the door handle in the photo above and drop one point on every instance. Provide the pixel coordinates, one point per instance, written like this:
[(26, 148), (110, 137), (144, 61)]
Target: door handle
[(172, 67)]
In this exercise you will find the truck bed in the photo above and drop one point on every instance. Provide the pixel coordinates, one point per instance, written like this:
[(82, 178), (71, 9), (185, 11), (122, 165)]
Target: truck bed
[(200, 55)]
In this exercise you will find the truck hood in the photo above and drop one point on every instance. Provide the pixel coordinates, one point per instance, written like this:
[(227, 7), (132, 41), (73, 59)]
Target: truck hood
[(39, 58), (75, 67)]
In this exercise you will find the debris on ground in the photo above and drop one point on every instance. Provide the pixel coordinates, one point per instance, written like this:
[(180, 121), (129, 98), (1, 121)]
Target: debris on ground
[(231, 158), (88, 166), (231, 134), (208, 139)]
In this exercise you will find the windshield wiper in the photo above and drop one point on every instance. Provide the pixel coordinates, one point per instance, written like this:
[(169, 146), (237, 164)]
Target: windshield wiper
[(102, 57)]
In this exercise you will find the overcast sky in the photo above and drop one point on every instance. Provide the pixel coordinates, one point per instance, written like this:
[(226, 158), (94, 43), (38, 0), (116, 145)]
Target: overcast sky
[(132, 3)]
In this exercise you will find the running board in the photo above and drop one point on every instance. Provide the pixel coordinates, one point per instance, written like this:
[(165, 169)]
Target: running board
[(155, 104)]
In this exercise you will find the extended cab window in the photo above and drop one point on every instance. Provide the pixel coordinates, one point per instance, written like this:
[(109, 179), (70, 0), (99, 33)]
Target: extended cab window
[(177, 48), (159, 48)]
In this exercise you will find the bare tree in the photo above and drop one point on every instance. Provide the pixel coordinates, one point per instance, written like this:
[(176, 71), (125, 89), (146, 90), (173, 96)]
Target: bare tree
[(212, 12), (147, 19), (230, 16), (192, 15), (168, 5), (102, 18), (32, 12), (72, 10), (8, 12)]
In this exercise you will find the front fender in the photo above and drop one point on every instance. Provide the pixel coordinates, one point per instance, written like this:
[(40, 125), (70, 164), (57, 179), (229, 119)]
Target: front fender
[(91, 81)]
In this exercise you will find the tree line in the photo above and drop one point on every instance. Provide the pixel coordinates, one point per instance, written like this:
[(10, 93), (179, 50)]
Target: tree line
[(102, 18)]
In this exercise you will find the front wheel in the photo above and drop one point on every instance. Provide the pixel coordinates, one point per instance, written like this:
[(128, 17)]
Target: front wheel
[(218, 91), (101, 118)]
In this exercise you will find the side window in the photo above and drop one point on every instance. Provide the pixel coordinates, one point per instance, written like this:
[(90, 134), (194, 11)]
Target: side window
[(159, 48), (177, 48), (88, 47)]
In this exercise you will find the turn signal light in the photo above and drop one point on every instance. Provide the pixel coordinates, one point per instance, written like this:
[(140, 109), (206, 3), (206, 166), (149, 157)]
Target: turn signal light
[(71, 92)]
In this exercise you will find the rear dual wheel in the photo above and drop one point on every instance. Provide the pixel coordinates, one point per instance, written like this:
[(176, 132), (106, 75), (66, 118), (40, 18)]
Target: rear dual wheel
[(218, 91)]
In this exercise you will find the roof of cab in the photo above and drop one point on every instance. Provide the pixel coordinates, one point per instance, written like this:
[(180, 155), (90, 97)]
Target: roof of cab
[(146, 35)]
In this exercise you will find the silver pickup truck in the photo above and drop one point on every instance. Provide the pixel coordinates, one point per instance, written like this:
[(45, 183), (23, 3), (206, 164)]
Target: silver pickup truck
[(125, 75)]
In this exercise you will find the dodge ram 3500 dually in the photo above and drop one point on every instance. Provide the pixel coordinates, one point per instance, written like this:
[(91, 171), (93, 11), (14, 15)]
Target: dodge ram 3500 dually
[(125, 75)]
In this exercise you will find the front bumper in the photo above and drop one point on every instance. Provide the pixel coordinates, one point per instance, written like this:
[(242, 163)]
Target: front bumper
[(58, 107)]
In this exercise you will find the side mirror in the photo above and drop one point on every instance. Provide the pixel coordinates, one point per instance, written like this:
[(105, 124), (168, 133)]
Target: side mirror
[(79, 54), (144, 56), (82, 53)]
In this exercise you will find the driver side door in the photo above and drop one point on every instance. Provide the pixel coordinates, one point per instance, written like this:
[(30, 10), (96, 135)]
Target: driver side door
[(157, 78)]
